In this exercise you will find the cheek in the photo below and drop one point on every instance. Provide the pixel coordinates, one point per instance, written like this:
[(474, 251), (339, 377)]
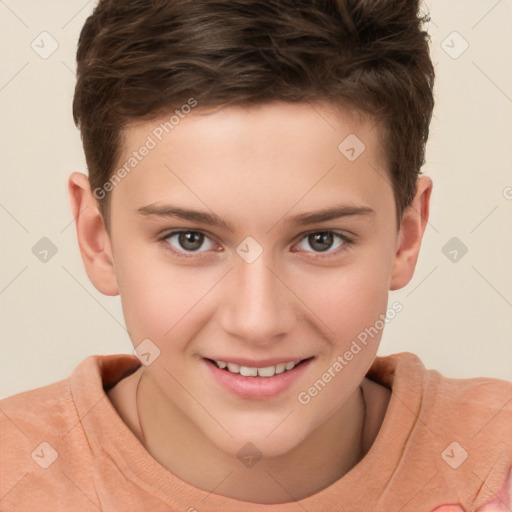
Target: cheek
[(346, 299), (351, 306), (158, 297)]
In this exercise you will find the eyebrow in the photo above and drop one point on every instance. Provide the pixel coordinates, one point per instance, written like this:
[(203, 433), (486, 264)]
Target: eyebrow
[(301, 219)]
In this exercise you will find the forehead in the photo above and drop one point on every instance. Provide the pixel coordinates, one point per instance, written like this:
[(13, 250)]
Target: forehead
[(273, 152), (273, 124)]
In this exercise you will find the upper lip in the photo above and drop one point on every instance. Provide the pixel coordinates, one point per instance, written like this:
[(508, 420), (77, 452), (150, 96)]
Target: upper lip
[(262, 363)]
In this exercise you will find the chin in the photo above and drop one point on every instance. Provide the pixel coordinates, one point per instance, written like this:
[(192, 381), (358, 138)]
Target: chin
[(258, 443)]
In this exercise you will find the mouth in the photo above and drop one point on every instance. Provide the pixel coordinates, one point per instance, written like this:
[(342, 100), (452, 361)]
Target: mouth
[(258, 371), (257, 382)]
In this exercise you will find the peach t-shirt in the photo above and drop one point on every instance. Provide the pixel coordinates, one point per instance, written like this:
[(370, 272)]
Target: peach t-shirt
[(445, 445)]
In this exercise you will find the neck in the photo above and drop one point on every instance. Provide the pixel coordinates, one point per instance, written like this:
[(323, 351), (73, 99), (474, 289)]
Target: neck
[(323, 457)]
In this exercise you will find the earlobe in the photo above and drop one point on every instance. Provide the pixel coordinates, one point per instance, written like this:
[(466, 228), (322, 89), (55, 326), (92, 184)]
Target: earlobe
[(412, 228), (93, 238)]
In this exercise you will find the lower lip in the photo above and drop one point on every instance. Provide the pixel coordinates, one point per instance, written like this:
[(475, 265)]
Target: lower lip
[(256, 388)]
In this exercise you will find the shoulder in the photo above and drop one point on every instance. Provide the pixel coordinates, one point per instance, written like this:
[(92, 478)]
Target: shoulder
[(34, 416), (474, 408), (471, 420), (405, 373), (476, 403), (455, 431), (50, 411), (44, 445), (33, 427), (31, 410), (51, 437)]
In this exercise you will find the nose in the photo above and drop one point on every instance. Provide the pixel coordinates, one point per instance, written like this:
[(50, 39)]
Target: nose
[(258, 306)]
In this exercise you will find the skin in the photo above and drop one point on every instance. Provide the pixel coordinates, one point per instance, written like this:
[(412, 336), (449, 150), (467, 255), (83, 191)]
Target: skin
[(255, 168)]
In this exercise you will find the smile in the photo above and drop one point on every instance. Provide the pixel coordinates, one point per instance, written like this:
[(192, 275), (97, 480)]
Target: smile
[(267, 371), (256, 382)]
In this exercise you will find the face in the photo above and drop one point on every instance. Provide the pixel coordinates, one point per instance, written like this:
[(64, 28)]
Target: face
[(266, 282)]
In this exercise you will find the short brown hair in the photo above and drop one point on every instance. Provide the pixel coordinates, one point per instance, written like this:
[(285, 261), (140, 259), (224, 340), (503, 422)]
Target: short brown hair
[(139, 59)]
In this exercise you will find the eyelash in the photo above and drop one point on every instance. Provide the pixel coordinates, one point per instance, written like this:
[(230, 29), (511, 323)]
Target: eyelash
[(347, 242)]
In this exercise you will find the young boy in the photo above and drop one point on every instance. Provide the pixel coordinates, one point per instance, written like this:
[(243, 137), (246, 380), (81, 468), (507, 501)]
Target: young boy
[(254, 192)]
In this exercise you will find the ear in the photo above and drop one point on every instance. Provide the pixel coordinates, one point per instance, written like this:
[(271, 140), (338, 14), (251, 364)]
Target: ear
[(412, 227), (93, 238)]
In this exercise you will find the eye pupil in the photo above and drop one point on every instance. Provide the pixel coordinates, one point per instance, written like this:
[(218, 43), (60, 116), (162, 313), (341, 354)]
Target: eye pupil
[(189, 240), (324, 238)]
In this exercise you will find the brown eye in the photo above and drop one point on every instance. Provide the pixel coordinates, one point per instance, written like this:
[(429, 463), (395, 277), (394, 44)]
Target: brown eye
[(187, 241), (190, 240), (323, 242)]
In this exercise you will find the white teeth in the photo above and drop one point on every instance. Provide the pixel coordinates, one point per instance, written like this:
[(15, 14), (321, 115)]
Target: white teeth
[(280, 368), (248, 372), (234, 368), (268, 371)]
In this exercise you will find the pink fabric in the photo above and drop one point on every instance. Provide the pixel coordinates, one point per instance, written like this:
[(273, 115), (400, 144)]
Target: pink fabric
[(445, 446)]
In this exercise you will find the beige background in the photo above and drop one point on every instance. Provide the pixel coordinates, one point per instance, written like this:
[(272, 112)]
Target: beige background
[(457, 315)]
